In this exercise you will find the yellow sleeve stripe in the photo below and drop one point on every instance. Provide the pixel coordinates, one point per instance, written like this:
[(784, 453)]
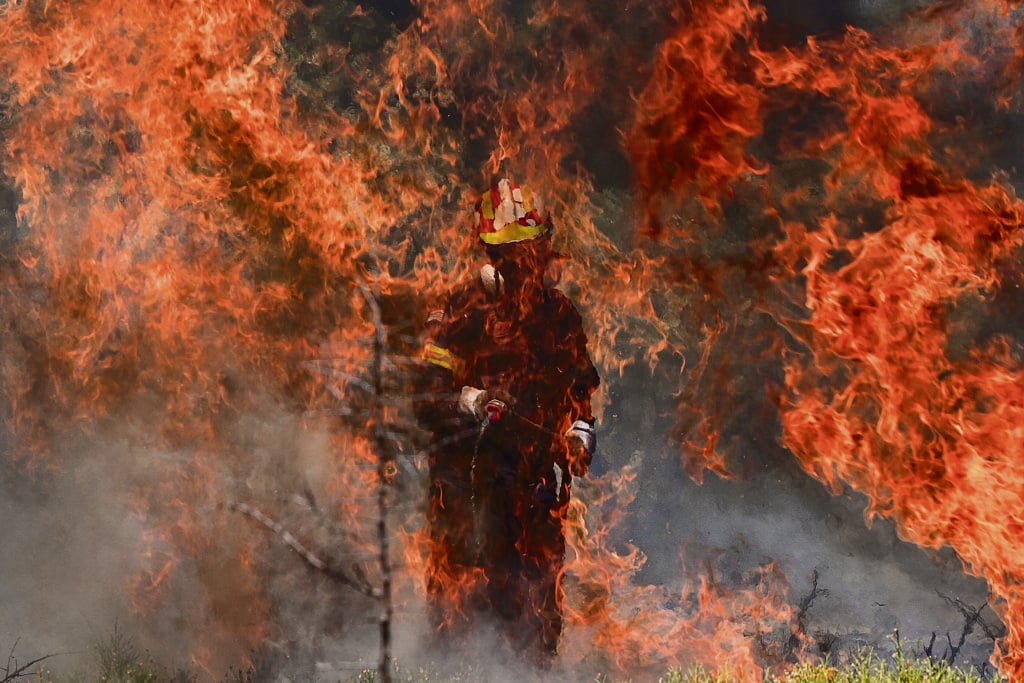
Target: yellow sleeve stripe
[(441, 357)]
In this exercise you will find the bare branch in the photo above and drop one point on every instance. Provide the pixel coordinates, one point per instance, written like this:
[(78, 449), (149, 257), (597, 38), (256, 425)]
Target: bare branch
[(973, 615), (798, 631), (972, 618), (324, 369), (12, 671), (808, 600), (310, 558)]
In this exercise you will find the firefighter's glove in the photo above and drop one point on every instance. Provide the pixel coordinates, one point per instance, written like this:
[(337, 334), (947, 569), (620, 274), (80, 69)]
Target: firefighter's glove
[(582, 441), (484, 405)]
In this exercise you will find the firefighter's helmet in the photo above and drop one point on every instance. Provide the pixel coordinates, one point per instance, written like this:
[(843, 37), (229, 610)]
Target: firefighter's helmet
[(510, 213)]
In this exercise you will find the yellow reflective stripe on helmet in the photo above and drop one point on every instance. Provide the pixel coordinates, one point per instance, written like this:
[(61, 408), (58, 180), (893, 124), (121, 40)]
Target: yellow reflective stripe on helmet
[(441, 357), (514, 232)]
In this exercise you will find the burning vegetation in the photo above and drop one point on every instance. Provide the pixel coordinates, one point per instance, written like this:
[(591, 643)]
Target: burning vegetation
[(794, 238)]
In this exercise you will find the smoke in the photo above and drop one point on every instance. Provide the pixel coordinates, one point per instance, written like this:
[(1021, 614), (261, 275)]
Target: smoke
[(866, 583), (84, 556), (72, 550), (65, 537)]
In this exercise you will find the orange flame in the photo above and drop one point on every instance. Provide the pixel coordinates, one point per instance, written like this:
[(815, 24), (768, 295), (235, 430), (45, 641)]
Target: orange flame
[(699, 110), (638, 627), (198, 218), (881, 401)]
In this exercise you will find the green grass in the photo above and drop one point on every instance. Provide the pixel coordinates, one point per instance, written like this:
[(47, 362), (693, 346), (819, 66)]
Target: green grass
[(117, 660), (870, 667), (866, 667)]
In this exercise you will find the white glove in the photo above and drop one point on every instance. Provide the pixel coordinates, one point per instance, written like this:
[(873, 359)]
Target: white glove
[(482, 405), (584, 432)]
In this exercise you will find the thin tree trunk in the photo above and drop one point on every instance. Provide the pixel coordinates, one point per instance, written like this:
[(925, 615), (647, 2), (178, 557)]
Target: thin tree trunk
[(384, 465)]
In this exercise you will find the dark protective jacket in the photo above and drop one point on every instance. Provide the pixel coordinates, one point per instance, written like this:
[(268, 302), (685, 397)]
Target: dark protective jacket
[(498, 492)]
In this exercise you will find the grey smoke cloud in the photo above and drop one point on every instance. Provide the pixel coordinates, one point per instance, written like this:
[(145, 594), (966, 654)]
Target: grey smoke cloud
[(874, 583)]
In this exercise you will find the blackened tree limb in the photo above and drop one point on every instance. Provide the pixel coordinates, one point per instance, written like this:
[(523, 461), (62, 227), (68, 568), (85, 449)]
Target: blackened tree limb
[(794, 643), (808, 600), (972, 617)]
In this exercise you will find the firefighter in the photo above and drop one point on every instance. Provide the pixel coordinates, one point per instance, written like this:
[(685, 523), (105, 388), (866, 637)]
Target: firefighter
[(506, 382)]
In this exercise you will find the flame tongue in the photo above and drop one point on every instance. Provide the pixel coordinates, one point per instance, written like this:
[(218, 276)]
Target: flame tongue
[(889, 405), (880, 396), (189, 236), (933, 439)]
